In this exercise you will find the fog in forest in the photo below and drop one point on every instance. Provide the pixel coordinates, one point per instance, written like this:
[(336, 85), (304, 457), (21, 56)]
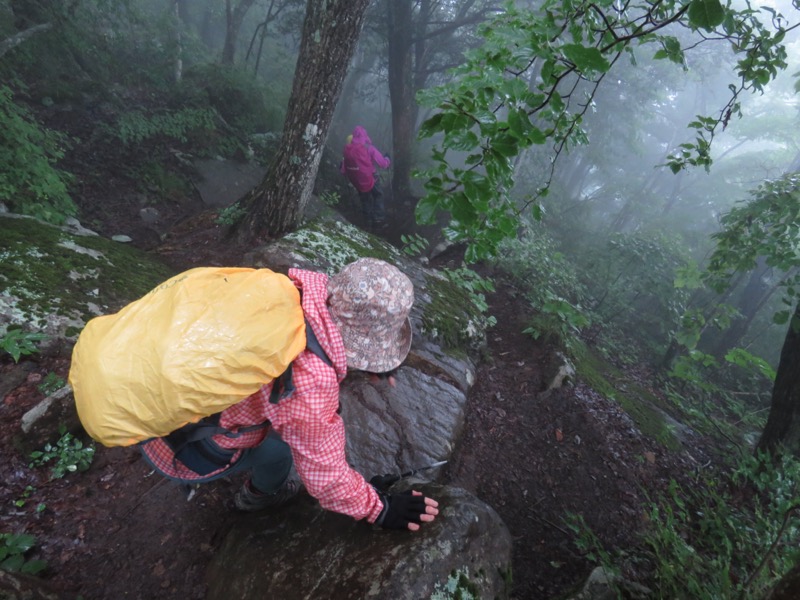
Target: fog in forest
[(620, 179)]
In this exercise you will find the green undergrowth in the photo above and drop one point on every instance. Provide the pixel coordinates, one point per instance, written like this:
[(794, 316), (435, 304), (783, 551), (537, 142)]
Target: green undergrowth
[(452, 317), (49, 274), (637, 401)]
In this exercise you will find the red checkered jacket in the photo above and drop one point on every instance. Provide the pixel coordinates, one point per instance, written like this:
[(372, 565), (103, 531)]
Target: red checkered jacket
[(307, 421)]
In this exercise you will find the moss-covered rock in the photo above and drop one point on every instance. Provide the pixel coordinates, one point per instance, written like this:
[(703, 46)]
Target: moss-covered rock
[(444, 311), (636, 400), (53, 279)]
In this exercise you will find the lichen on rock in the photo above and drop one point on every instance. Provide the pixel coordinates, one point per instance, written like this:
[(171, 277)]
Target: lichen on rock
[(53, 280)]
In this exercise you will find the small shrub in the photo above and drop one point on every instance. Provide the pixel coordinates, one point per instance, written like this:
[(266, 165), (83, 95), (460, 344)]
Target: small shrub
[(413, 244), (29, 181), (557, 320), (475, 286), (13, 547), (135, 127), (330, 198), (51, 383), (69, 453), (231, 215), (717, 542), (18, 343)]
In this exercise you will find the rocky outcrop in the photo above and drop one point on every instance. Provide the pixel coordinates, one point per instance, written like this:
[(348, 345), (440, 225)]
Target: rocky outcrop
[(306, 552)]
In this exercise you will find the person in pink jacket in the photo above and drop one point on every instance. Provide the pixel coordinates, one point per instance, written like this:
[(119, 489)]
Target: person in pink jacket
[(357, 165)]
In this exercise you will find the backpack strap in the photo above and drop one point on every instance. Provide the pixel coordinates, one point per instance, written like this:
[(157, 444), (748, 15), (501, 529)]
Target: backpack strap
[(283, 386)]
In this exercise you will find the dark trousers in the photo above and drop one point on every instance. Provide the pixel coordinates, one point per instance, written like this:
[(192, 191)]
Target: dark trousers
[(269, 464), (372, 205)]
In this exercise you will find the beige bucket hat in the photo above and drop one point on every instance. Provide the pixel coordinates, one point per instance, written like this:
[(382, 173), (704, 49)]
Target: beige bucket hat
[(370, 300)]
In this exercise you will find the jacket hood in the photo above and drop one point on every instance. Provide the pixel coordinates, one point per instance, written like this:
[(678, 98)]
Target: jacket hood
[(360, 136)]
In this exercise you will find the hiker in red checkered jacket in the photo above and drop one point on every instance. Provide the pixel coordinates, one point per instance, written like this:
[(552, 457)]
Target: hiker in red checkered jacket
[(359, 321)]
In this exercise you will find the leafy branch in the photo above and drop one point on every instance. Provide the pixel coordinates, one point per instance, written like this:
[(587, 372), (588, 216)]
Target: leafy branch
[(523, 87)]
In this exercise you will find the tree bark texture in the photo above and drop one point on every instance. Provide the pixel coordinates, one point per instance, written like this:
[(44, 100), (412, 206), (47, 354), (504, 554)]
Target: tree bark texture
[(330, 34), (401, 94), (782, 430)]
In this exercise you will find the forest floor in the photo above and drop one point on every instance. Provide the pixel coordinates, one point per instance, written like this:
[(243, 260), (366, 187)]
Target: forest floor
[(118, 531)]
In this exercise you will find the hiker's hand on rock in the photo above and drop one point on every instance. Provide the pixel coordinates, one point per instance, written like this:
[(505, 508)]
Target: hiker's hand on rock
[(406, 510), (378, 377)]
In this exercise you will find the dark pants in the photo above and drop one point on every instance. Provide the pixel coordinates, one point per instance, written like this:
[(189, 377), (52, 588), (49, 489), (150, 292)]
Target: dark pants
[(269, 464), (372, 205)]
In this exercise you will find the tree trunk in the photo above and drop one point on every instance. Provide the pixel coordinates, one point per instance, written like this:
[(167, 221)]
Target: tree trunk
[(233, 23), (401, 93), (330, 35), (752, 298), (782, 430), (177, 72)]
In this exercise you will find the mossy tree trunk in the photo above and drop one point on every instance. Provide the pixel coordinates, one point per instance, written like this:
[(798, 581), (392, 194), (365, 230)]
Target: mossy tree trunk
[(330, 35)]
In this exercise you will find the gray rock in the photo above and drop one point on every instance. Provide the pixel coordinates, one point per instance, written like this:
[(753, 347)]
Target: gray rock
[(74, 226), (303, 551), (557, 372), (604, 585), (393, 430), (150, 215), (223, 182)]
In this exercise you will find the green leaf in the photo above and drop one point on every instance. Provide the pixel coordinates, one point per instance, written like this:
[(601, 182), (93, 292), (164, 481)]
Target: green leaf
[(426, 210), (32, 567), (431, 126), (12, 563), (706, 14), (781, 317), (505, 145), (461, 140), (586, 59)]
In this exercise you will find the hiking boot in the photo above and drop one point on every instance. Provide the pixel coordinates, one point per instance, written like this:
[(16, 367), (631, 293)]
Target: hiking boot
[(248, 500)]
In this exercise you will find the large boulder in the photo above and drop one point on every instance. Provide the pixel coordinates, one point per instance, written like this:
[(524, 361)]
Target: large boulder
[(303, 551)]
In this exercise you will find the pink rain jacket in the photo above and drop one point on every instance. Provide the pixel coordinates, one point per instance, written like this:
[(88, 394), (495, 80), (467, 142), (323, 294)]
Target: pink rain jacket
[(358, 157)]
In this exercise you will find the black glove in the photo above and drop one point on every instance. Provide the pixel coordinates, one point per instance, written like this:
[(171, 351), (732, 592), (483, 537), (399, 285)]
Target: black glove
[(400, 509), (383, 482)]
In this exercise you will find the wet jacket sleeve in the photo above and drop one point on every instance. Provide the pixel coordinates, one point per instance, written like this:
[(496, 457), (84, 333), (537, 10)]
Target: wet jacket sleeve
[(310, 425), (382, 161)]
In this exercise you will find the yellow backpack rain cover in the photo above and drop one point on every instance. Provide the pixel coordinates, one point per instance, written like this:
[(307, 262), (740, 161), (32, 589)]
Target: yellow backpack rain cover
[(195, 345)]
